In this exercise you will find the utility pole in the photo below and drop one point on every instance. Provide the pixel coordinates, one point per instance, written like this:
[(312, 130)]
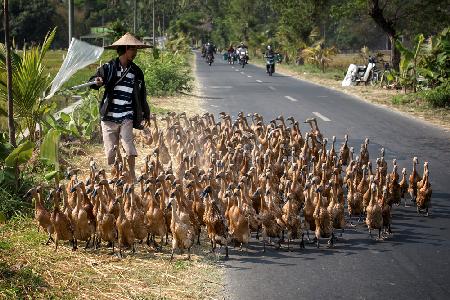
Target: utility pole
[(71, 21), (134, 16), (11, 127), (153, 27)]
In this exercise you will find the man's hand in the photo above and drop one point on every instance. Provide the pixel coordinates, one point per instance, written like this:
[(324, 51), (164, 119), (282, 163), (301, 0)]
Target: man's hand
[(98, 81)]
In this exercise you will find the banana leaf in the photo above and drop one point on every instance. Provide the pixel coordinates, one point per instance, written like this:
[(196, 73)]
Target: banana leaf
[(20, 155)]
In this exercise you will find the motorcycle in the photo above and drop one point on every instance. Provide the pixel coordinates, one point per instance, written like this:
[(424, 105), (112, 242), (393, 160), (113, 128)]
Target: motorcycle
[(270, 65), (231, 58), (209, 58), (243, 56), (356, 74)]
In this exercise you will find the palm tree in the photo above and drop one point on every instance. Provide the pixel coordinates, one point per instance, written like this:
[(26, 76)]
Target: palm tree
[(29, 83), (318, 54)]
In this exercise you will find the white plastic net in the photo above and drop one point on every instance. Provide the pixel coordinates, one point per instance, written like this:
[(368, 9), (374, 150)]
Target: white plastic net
[(79, 55)]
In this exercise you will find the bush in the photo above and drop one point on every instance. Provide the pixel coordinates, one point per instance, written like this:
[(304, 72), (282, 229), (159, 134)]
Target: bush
[(165, 74), (12, 204), (439, 96)]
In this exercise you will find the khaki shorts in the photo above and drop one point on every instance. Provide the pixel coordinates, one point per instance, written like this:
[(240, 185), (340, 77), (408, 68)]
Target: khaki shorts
[(112, 132)]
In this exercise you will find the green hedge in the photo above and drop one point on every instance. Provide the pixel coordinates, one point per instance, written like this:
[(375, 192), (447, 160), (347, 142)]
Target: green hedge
[(165, 73)]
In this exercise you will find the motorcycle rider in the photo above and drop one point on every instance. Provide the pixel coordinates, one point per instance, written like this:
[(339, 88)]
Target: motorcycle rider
[(242, 47), (269, 54), (230, 52), (210, 50)]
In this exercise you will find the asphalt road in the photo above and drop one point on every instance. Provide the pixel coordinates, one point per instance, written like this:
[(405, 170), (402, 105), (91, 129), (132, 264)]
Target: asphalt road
[(413, 263)]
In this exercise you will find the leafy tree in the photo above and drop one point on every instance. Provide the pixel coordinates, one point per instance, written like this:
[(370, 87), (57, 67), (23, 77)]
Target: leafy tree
[(24, 17), (397, 18)]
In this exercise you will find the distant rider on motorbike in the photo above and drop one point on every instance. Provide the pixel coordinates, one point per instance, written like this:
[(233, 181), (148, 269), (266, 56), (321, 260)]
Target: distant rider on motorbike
[(269, 54), (230, 52), (242, 47), (210, 49)]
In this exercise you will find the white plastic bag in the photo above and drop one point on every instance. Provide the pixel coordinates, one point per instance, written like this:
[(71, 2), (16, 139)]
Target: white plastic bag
[(79, 55), (351, 71)]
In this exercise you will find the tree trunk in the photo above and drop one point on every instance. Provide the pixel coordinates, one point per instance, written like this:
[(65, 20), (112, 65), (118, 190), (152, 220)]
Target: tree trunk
[(395, 54), (388, 26), (11, 127)]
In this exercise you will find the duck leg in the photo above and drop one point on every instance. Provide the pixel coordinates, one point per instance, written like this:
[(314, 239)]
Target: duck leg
[(331, 241), (87, 243), (50, 239), (302, 242)]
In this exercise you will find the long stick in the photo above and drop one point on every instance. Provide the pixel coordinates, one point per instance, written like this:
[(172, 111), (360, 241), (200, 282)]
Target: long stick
[(83, 85), (11, 127)]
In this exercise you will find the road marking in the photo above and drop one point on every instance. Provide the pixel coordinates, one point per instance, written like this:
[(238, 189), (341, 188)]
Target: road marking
[(322, 96), (221, 87), (321, 116), (290, 98), (237, 70), (233, 67), (257, 80), (212, 105), (242, 73), (249, 76), (272, 88)]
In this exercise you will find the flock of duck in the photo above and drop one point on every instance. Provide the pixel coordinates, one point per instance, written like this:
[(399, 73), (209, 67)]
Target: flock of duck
[(232, 178)]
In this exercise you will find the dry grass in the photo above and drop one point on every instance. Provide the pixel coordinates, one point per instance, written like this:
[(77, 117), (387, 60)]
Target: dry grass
[(29, 269)]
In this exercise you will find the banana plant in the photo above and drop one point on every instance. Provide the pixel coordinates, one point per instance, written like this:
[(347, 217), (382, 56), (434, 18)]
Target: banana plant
[(13, 159), (410, 63), (50, 153), (437, 58)]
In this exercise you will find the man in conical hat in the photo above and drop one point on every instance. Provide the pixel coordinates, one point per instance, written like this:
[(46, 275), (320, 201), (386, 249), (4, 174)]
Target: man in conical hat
[(124, 104)]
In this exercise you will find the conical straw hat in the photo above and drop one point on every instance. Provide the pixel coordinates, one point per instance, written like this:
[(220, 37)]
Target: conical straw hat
[(128, 40)]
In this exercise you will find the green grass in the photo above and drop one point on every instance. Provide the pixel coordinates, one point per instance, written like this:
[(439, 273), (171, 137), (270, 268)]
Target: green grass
[(158, 110), (18, 282)]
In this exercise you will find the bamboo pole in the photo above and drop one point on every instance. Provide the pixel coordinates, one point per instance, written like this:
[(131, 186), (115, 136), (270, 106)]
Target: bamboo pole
[(11, 127)]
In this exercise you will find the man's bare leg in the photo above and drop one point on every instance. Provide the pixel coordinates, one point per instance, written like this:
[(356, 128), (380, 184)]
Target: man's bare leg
[(131, 160)]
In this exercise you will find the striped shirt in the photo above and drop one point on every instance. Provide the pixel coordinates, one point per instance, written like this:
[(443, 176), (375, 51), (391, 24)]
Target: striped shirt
[(121, 107)]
